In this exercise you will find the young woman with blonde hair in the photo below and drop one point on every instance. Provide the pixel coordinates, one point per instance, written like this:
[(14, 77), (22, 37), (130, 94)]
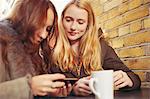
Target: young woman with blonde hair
[(80, 50)]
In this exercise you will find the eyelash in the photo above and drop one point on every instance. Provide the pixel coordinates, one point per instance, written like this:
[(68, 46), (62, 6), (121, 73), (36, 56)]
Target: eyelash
[(80, 22), (68, 20), (49, 28)]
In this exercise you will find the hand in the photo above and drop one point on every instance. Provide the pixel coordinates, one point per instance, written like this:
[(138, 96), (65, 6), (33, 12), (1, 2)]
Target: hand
[(44, 84), (121, 79), (63, 92), (81, 87)]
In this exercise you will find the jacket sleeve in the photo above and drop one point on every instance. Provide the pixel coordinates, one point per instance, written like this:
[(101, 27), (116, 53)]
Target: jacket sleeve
[(112, 61)]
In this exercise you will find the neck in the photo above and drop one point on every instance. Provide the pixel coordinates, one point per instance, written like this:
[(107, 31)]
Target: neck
[(75, 47)]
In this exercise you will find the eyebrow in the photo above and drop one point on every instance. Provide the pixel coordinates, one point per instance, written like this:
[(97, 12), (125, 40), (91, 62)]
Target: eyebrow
[(68, 17), (77, 19)]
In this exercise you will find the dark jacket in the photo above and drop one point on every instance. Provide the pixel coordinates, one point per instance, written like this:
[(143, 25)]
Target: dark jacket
[(16, 66), (110, 60)]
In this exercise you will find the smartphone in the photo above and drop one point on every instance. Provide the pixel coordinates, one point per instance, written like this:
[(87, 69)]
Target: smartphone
[(69, 80)]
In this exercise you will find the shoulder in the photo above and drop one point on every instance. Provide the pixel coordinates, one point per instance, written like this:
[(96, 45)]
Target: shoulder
[(104, 45), (6, 31), (106, 49)]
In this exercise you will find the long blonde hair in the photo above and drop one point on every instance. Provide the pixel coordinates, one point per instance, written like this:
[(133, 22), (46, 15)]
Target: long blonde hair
[(89, 48)]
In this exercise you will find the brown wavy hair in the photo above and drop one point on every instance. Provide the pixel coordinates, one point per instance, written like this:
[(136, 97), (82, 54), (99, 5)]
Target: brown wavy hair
[(27, 16)]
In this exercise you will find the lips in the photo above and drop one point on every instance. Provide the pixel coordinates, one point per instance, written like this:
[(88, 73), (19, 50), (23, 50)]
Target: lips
[(73, 33)]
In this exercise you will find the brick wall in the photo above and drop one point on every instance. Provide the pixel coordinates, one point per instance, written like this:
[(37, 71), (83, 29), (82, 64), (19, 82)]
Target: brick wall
[(127, 23)]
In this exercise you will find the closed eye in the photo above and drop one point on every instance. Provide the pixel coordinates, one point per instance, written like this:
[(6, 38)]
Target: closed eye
[(48, 28), (80, 21), (68, 19)]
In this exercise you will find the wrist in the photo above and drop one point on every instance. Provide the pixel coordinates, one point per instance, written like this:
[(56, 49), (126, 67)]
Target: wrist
[(29, 80)]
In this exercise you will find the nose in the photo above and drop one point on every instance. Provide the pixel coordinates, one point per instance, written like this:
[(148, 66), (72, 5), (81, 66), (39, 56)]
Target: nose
[(44, 35), (73, 26)]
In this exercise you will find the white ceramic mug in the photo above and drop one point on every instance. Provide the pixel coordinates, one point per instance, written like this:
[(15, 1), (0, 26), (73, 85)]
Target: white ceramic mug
[(101, 84)]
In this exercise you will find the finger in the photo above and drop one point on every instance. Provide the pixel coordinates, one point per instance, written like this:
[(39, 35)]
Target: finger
[(85, 92), (118, 82), (64, 91), (42, 93), (122, 85), (69, 88), (88, 77), (57, 84), (48, 83), (118, 76), (85, 87), (56, 76), (55, 93), (85, 81), (48, 89), (115, 88), (115, 73)]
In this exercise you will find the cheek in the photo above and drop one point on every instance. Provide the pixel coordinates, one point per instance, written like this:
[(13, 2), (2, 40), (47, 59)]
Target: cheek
[(83, 28), (34, 36), (66, 25), (45, 33)]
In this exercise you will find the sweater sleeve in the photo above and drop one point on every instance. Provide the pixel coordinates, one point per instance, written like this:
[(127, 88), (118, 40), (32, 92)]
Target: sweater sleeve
[(112, 61), (16, 89), (14, 66), (12, 89)]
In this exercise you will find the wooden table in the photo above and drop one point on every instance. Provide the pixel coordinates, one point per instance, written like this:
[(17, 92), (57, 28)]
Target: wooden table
[(143, 93)]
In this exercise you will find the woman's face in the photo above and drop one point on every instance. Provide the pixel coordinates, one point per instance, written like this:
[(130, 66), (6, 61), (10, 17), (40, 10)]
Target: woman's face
[(41, 34), (75, 22)]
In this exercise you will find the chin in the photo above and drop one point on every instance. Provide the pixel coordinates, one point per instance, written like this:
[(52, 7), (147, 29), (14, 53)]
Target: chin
[(72, 38)]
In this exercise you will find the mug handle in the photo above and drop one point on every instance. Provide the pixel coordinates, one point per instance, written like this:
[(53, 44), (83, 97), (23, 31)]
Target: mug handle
[(91, 85)]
